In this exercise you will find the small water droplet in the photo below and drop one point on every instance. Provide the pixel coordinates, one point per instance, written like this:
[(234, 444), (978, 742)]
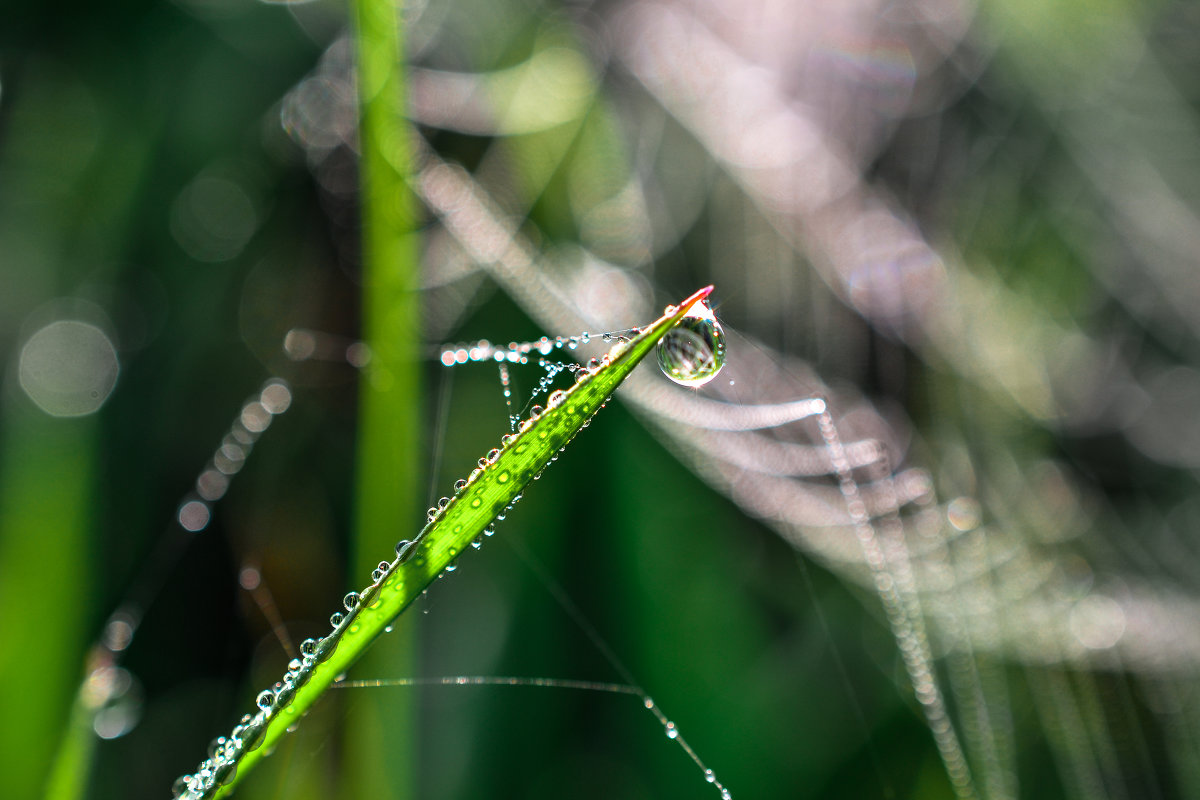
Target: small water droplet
[(402, 548), (265, 700), (451, 567), (252, 733), (671, 731), (477, 542), (507, 439), (350, 601), (693, 352), (493, 455), (216, 748), (389, 629), (459, 485), (535, 412), (308, 648), (443, 502), (709, 776)]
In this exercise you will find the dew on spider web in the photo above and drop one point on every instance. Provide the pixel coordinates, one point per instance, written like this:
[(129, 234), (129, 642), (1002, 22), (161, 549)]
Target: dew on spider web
[(535, 353)]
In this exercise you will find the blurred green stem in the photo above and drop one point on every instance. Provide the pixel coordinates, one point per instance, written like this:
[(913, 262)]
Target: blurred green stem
[(46, 500), (381, 734)]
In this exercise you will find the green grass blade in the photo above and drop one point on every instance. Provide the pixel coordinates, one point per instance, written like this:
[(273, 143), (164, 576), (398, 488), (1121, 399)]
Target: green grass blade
[(378, 736), (490, 490), (46, 502)]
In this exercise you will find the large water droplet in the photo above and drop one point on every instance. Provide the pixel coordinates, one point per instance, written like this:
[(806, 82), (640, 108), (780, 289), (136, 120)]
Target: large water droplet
[(693, 352)]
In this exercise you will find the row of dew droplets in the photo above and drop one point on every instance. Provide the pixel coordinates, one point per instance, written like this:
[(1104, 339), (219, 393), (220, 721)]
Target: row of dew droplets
[(195, 511), (691, 354), (523, 352)]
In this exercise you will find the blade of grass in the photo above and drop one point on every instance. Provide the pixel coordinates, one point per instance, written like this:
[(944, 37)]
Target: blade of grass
[(48, 465), (378, 736), (490, 490)]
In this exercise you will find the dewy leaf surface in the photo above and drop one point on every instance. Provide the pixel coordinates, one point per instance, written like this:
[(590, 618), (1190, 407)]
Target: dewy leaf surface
[(490, 490)]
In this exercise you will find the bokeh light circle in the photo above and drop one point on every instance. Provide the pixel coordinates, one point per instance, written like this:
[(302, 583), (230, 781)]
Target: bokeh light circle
[(68, 368)]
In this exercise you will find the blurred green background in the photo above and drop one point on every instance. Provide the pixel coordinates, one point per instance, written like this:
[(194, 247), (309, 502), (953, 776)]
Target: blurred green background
[(973, 227)]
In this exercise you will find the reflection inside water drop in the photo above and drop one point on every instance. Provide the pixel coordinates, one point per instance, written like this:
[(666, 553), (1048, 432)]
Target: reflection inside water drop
[(693, 352)]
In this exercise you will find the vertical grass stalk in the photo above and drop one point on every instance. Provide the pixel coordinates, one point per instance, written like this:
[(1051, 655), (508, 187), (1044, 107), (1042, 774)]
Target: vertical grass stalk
[(386, 476), (46, 497)]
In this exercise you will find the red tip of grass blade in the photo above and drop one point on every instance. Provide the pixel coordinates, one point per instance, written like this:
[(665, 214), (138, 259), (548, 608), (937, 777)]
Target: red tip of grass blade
[(696, 298)]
